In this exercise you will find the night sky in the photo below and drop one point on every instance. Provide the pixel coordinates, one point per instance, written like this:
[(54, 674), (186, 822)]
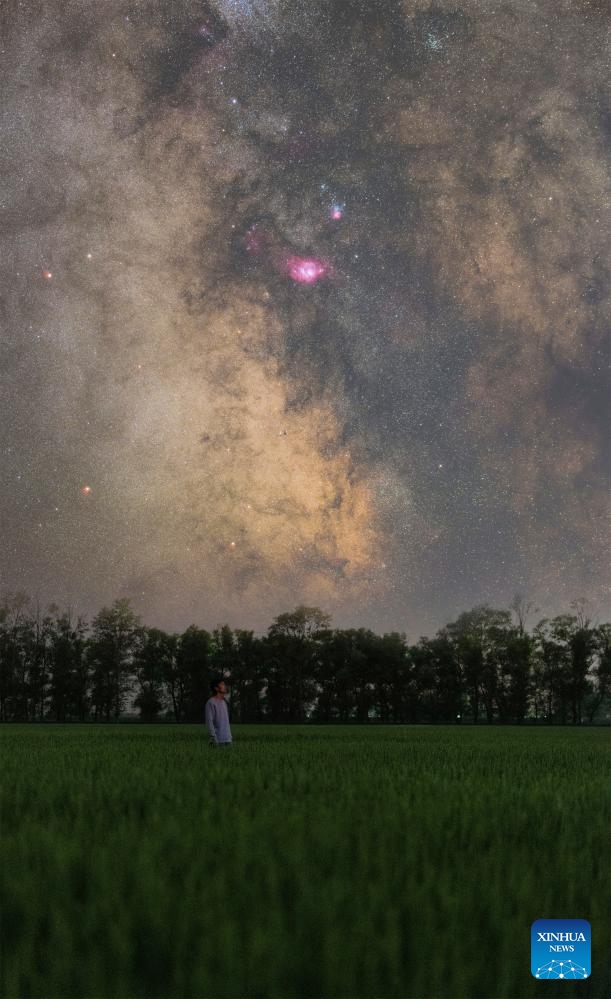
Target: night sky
[(305, 302)]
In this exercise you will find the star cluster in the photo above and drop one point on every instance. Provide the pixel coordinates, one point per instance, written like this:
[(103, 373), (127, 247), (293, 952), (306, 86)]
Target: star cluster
[(305, 303)]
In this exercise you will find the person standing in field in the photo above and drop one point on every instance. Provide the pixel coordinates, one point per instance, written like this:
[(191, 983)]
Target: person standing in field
[(217, 716)]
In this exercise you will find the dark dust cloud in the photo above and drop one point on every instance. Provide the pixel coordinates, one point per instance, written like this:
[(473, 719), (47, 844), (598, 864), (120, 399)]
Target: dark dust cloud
[(305, 302)]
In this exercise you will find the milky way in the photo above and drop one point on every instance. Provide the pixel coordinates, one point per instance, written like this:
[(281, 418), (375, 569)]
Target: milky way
[(305, 303)]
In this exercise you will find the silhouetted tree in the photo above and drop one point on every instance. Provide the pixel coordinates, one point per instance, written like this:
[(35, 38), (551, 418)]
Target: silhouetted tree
[(153, 660), (116, 634), (51, 667), (389, 674), (552, 655), (600, 692), (336, 676), (36, 640), (514, 651), (294, 641), (239, 656), (69, 668), (437, 690), (476, 635), (14, 623), (193, 666), (173, 678)]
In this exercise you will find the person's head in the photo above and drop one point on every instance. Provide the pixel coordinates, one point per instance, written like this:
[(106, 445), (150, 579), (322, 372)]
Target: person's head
[(218, 687)]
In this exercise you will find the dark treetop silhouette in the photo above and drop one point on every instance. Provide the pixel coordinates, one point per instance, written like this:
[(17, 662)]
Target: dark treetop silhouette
[(485, 666)]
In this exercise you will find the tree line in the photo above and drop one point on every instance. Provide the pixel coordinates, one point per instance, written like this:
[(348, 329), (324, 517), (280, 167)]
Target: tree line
[(486, 666)]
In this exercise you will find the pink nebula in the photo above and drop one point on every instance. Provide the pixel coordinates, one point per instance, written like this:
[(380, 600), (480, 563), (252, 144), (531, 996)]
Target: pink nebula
[(306, 270)]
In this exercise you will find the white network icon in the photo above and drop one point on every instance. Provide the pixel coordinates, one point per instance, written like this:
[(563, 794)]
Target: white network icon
[(561, 969)]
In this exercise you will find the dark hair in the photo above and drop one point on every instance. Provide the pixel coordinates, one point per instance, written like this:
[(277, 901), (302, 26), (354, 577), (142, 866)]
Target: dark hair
[(214, 682)]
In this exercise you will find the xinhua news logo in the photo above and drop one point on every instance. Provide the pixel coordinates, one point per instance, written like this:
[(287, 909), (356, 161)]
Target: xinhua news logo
[(561, 949)]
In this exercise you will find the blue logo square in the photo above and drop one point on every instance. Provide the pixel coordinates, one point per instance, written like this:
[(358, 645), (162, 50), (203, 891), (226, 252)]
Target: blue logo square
[(561, 949)]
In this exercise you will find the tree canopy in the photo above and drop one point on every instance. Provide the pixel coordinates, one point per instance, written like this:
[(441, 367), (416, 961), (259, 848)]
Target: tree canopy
[(486, 666)]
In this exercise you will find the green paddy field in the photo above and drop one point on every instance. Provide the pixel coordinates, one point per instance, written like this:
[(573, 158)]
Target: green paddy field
[(335, 863)]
